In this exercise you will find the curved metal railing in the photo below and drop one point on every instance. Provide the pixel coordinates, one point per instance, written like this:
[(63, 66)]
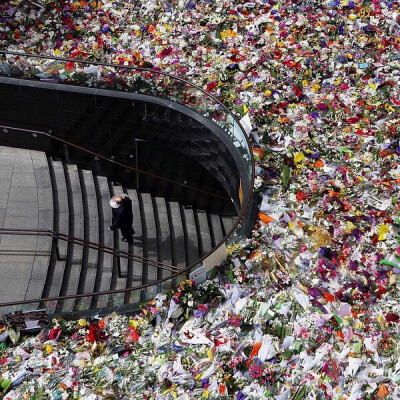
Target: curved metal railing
[(91, 245), (148, 82)]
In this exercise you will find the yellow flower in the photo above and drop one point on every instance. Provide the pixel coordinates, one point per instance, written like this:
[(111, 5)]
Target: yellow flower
[(389, 107), (82, 322), (228, 33), (316, 88), (298, 157), (209, 353), (350, 227), (205, 394), (268, 93), (133, 323), (48, 348), (383, 230), (304, 83), (337, 81), (281, 44)]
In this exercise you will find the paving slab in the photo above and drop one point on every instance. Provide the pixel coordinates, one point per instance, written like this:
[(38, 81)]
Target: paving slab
[(3, 200), (23, 180), (17, 271), (13, 289), (45, 198), (22, 209), (42, 177), (21, 222), (15, 242), (6, 172), (23, 194), (5, 185), (16, 257), (2, 216)]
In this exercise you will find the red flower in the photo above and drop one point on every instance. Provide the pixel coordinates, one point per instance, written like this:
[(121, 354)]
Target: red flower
[(392, 318), (298, 92), (300, 195), (133, 334), (211, 86)]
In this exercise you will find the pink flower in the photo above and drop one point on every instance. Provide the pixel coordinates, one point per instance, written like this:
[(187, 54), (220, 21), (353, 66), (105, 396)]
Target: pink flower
[(301, 331)]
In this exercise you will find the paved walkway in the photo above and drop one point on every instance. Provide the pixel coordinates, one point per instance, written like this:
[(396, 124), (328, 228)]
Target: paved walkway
[(25, 202)]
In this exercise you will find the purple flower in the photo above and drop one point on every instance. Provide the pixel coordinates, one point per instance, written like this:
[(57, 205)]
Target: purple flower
[(240, 396), (322, 107), (314, 292), (199, 313)]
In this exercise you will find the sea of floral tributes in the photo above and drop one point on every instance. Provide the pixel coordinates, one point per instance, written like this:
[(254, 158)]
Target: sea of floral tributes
[(308, 307)]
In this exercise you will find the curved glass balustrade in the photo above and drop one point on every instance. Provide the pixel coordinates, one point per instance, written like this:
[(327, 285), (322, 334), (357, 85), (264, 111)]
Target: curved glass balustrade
[(133, 79), (142, 82)]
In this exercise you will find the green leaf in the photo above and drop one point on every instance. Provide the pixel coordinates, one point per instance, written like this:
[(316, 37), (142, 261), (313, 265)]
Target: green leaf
[(344, 150), (287, 355), (300, 393), (285, 177), (212, 274), (14, 335)]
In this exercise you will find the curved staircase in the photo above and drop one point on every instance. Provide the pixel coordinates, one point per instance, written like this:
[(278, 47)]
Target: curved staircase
[(75, 201)]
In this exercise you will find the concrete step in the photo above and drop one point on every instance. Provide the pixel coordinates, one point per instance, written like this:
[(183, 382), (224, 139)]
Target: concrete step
[(164, 246), (106, 237), (203, 230), (149, 234), (45, 221), (91, 234), (227, 223), (191, 236), (75, 253), (214, 222), (177, 235), (136, 276), (61, 224)]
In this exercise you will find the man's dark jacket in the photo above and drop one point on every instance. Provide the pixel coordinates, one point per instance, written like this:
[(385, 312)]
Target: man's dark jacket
[(123, 216)]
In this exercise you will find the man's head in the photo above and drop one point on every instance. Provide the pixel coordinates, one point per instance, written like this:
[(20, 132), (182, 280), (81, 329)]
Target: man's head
[(118, 199)]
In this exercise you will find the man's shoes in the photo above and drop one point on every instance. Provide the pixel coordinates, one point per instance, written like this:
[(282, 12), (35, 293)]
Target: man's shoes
[(126, 240)]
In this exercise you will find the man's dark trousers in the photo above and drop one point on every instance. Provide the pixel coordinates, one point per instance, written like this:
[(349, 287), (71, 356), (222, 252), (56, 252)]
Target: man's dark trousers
[(123, 219)]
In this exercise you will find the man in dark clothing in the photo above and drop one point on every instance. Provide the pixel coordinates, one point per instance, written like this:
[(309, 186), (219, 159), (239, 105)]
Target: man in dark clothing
[(123, 217)]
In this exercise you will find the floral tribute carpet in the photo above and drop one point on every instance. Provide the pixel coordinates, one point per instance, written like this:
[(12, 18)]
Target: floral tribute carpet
[(308, 307)]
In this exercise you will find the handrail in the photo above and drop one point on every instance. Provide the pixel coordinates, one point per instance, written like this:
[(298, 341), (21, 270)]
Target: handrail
[(86, 243), (220, 243)]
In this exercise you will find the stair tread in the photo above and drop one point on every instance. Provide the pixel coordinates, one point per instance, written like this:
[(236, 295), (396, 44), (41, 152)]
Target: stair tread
[(77, 217), (151, 233), (138, 237), (192, 242), (177, 235), (204, 230), (216, 228), (45, 221), (164, 236), (107, 269), (93, 230), (227, 223), (122, 246), (63, 220)]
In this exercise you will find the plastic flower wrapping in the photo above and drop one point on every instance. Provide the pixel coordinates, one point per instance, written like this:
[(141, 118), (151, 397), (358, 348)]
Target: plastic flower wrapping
[(307, 307)]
